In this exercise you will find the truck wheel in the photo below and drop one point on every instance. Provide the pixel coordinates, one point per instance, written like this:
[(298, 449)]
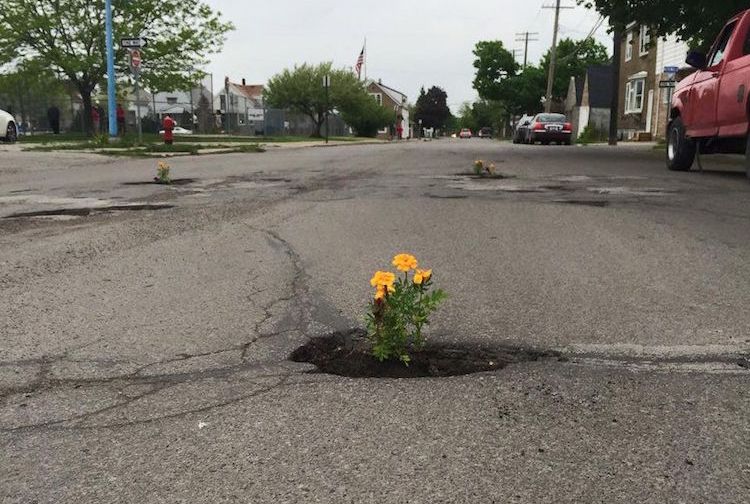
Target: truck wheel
[(680, 148)]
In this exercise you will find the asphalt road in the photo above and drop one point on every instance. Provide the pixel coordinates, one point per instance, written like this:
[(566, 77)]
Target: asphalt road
[(146, 329)]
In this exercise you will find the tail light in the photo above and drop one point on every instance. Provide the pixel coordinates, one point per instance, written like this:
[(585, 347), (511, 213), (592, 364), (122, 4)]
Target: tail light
[(538, 126), (568, 127)]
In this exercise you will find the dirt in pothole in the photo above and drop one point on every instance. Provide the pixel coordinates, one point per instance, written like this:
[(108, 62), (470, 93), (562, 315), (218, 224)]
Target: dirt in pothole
[(85, 211), (348, 354), (156, 181)]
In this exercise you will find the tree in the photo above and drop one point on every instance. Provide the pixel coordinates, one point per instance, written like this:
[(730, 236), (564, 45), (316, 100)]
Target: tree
[(366, 116), (494, 65), (30, 89), (432, 108), (301, 90), (697, 21), (529, 87), (573, 58), (70, 39)]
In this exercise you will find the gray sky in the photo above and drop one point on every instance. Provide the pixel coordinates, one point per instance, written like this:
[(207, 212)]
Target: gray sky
[(409, 43)]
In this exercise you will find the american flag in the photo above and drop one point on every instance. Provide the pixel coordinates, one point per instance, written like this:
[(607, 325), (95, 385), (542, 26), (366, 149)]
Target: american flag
[(360, 62)]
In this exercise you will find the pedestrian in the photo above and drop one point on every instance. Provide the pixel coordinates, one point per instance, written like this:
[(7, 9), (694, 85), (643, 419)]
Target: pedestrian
[(95, 120), (168, 124), (400, 130), (53, 116), (120, 120)]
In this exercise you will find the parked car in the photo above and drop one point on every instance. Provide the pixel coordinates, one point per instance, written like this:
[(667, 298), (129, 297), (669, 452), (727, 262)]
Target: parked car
[(709, 111), (548, 128), (8, 128), (465, 133), (520, 133), (179, 130), (485, 132)]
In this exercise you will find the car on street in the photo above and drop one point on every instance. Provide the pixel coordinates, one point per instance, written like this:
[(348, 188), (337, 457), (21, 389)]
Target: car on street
[(8, 127), (709, 111), (179, 130), (465, 133), (548, 128), (522, 129), (485, 132)]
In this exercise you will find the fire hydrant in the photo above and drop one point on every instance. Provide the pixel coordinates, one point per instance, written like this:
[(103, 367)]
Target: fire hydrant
[(168, 124)]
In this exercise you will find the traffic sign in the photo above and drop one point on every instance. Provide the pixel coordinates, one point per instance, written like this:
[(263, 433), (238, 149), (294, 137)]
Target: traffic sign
[(671, 69), (133, 43), (667, 84), (135, 59)]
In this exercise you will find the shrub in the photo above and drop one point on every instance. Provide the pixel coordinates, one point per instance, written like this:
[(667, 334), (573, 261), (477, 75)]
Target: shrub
[(401, 309), (162, 173)]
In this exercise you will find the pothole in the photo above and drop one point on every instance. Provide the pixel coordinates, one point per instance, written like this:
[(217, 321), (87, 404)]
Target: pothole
[(447, 196), (174, 182), (348, 354), (86, 211)]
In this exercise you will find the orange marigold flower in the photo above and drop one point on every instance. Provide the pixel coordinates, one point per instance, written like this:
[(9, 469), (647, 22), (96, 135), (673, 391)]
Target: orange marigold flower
[(421, 276), (405, 262), (383, 278)]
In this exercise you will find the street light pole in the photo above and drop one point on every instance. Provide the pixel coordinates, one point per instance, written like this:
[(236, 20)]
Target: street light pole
[(111, 98)]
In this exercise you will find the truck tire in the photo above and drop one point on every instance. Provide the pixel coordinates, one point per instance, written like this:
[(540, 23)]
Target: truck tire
[(680, 149)]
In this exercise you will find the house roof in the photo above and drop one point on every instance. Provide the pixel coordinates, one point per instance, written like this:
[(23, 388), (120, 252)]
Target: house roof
[(600, 86), (396, 96)]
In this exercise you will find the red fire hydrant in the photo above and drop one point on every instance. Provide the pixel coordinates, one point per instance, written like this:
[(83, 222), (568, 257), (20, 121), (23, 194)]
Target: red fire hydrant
[(168, 124)]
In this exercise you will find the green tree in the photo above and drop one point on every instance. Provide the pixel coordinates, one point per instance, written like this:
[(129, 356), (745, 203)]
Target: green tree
[(529, 87), (30, 89), (70, 39), (366, 116), (494, 66), (698, 21), (301, 90), (573, 58), (432, 108)]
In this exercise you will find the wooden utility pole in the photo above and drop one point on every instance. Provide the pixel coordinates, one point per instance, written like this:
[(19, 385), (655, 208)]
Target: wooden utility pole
[(553, 58), (614, 111), (525, 37)]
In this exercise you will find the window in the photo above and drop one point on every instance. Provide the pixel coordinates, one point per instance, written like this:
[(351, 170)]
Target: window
[(378, 97), (629, 46), (171, 100), (645, 40), (634, 96), (717, 56)]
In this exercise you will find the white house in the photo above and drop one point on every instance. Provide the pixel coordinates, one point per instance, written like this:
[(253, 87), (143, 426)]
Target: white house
[(241, 106)]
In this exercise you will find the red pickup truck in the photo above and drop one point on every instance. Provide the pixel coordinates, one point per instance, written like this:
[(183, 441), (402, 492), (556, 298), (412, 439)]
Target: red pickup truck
[(710, 109)]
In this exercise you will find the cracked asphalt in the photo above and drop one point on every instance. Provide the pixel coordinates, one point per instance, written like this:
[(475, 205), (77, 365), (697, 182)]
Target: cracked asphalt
[(146, 329)]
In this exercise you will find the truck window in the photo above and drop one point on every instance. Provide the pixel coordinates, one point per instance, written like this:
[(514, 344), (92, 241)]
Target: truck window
[(721, 46), (746, 47)]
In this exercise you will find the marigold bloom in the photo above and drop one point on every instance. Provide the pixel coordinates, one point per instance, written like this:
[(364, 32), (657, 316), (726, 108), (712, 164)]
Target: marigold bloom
[(421, 276), (383, 278), (405, 262)]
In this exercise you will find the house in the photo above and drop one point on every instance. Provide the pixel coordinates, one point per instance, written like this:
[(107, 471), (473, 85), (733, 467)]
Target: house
[(392, 100), (644, 63), (242, 107), (589, 101), (182, 106)]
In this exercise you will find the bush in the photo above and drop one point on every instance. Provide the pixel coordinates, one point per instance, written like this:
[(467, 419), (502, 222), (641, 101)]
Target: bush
[(366, 116), (592, 135)]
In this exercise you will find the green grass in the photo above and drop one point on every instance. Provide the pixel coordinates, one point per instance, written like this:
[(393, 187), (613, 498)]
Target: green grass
[(126, 148)]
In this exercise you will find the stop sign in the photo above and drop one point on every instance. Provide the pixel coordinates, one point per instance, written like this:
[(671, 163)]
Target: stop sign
[(135, 58)]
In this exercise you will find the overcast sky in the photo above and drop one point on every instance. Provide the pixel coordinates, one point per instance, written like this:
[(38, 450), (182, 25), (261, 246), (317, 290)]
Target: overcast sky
[(409, 43)]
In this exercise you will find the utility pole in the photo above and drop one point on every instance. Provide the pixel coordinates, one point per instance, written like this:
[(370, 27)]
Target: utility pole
[(111, 98), (553, 58), (526, 37), (614, 111)]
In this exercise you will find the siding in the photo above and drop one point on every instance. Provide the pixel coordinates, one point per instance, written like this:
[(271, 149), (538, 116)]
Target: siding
[(670, 52)]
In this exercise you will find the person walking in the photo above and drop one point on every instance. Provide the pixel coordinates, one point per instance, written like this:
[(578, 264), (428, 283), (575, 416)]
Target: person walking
[(53, 116), (95, 120)]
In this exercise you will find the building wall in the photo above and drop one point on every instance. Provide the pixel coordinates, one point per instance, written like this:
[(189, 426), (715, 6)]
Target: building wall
[(631, 124), (670, 53)]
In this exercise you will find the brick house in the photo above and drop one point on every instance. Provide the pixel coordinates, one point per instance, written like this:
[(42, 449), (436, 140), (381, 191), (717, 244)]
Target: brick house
[(392, 100), (644, 107)]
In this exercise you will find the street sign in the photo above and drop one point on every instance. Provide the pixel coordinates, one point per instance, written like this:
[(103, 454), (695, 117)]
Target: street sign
[(667, 84), (671, 69), (133, 43), (135, 59)]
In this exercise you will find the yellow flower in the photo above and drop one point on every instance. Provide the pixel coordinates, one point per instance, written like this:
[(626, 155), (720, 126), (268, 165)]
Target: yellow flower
[(379, 293), (383, 278), (421, 276), (405, 262)]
